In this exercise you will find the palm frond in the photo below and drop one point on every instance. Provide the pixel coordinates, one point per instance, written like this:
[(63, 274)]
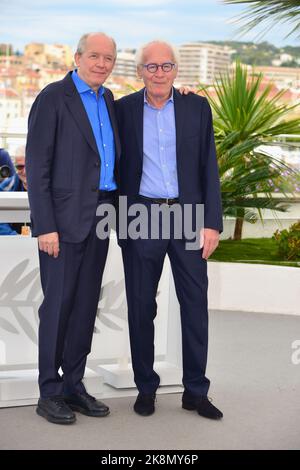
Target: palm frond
[(266, 13), (247, 119)]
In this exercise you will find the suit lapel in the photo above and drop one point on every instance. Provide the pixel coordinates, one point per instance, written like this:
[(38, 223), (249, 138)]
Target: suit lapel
[(179, 106), (137, 107), (76, 107), (111, 112)]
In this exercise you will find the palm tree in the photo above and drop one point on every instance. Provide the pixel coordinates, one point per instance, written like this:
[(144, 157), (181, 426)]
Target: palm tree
[(245, 119), (267, 11)]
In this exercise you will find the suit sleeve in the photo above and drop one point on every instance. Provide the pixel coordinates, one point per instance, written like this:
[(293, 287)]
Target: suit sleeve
[(211, 180), (39, 159)]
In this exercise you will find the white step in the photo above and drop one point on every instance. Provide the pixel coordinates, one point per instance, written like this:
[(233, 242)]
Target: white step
[(119, 376), (23, 385)]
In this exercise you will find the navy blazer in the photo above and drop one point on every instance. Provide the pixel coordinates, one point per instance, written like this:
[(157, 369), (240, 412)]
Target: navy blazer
[(63, 162), (197, 168)]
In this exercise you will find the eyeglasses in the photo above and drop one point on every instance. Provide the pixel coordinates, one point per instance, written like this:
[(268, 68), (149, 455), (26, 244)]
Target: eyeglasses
[(20, 167), (166, 67)]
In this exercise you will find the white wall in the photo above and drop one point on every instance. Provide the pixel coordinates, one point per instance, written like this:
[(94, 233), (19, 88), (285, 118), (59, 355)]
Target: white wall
[(254, 288)]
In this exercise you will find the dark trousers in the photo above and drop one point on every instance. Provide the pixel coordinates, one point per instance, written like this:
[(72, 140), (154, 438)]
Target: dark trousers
[(143, 263), (71, 285)]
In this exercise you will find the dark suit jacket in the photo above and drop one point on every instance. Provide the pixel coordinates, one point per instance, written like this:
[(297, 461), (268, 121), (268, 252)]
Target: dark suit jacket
[(197, 168), (62, 162)]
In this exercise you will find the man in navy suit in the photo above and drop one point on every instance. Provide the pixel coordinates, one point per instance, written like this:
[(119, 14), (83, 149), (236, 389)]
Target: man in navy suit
[(168, 157), (72, 166)]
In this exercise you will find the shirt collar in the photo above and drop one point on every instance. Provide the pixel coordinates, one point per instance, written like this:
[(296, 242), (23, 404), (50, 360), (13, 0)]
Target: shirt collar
[(82, 86), (168, 100)]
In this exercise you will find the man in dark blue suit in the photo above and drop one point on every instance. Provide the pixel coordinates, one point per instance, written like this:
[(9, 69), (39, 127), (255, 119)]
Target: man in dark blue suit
[(168, 156), (72, 166)]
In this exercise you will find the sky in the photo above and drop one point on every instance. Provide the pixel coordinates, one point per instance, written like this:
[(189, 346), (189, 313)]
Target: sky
[(130, 22)]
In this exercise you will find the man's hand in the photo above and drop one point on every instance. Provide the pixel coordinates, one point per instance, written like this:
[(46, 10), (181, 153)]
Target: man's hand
[(49, 243), (185, 90), (209, 239)]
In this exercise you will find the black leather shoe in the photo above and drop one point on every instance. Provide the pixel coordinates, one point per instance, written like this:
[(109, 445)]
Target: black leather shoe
[(55, 410), (144, 404), (86, 404), (202, 405)]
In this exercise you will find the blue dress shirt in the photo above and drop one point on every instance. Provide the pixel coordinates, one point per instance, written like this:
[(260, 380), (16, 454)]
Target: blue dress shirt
[(99, 119), (159, 178)]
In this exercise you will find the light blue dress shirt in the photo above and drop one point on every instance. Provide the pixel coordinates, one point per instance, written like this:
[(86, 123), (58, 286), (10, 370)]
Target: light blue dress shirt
[(159, 178), (99, 119)]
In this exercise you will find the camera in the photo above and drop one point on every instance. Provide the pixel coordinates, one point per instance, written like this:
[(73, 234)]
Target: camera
[(4, 172)]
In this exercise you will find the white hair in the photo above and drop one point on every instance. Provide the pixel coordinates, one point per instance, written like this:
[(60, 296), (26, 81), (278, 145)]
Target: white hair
[(139, 57), (20, 151), (82, 42)]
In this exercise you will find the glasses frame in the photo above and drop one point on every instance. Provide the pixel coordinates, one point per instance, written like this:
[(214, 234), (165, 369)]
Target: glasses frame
[(172, 64)]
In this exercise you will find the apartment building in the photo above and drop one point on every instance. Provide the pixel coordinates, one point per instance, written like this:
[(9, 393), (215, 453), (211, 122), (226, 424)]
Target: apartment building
[(283, 77), (202, 62), (55, 55), (10, 105), (125, 64)]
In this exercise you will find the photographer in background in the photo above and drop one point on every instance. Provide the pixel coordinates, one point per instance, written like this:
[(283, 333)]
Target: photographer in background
[(7, 168), (16, 182)]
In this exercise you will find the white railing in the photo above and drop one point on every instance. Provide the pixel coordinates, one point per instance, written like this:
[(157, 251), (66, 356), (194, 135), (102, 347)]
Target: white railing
[(14, 207)]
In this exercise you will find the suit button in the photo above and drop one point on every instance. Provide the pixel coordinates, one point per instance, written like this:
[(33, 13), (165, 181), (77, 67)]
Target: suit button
[(94, 188), (97, 164)]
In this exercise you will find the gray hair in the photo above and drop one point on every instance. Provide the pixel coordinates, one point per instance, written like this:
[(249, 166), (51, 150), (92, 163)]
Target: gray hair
[(20, 151), (82, 42), (139, 57)]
